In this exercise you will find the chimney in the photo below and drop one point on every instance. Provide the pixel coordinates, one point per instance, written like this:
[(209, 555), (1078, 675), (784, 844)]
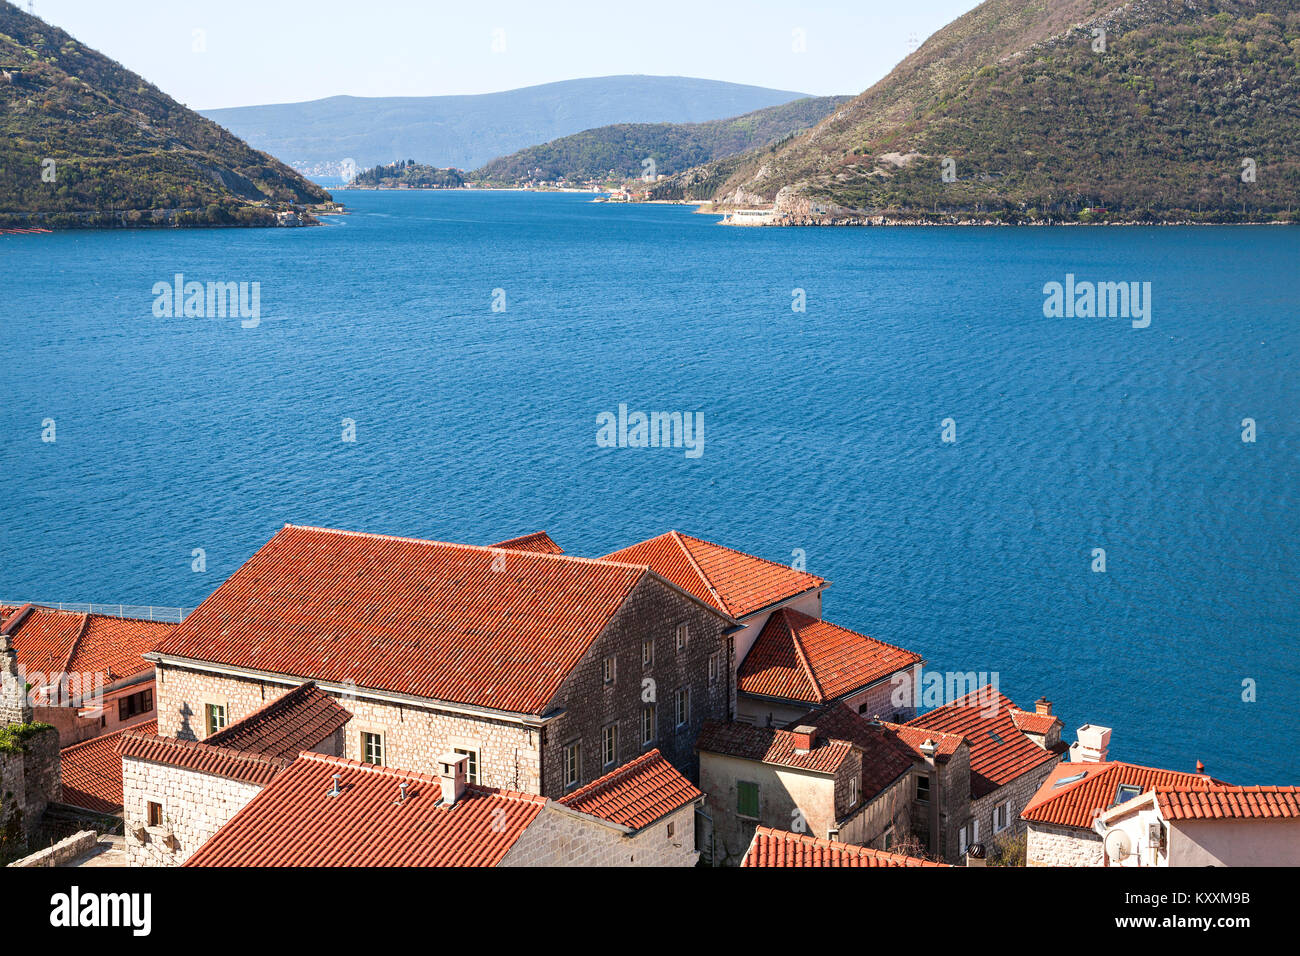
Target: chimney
[(975, 855), (1200, 767), (803, 738), (451, 777), (1092, 746), (15, 703), (1043, 706)]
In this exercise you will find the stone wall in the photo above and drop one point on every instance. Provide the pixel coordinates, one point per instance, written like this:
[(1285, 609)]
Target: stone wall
[(63, 852), (652, 611), (414, 737), (15, 707), (195, 805), (1050, 845), (559, 837), (1019, 792), (30, 779)]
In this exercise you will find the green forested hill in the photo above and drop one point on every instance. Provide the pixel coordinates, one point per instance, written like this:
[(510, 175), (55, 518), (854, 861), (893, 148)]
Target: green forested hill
[(623, 148), (84, 141), (407, 172), (1168, 120)]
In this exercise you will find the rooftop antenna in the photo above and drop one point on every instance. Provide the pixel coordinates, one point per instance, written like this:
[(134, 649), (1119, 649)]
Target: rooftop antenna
[(335, 791)]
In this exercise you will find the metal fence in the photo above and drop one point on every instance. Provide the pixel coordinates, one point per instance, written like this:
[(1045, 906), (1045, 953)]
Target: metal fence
[(173, 615)]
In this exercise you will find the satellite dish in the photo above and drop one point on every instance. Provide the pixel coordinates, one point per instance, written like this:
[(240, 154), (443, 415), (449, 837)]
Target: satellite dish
[(1118, 845)]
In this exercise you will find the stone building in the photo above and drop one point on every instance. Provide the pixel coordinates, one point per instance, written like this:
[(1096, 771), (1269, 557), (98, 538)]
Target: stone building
[(833, 775), (546, 671), (349, 813)]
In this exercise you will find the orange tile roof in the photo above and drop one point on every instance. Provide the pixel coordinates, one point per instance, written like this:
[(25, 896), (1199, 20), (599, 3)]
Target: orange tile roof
[(294, 822), (769, 745), (92, 771), (734, 582), (884, 757), (201, 757), (1034, 723), (636, 794), (443, 621), (52, 642), (782, 848), (298, 721), (913, 737), (801, 658), (999, 751), (1228, 803), (538, 541), (1068, 802)]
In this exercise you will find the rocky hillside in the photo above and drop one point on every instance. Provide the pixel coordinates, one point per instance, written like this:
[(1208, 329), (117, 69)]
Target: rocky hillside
[(620, 151), (1062, 110), (84, 141)]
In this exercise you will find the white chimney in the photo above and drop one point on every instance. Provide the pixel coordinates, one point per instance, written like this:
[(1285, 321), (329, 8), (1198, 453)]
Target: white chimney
[(451, 777), (1092, 745)]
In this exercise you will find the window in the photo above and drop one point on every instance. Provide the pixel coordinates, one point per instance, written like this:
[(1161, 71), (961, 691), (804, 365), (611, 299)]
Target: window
[(713, 668), (610, 668), (683, 706), (572, 763), (134, 704), (372, 748), (471, 765), (609, 744), (969, 834), (648, 652), (672, 829), (154, 813), (853, 790), (1125, 793), (747, 799), (648, 724), (1002, 817), (216, 718), (923, 788), (683, 636)]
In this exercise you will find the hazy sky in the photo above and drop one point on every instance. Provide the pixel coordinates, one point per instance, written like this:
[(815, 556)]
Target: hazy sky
[(211, 53)]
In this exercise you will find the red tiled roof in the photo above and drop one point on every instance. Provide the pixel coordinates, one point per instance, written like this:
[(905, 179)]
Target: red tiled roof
[(539, 542), (287, 726), (92, 771), (884, 757), (798, 657), (769, 745), (201, 757), (1228, 803), (913, 737), (1075, 803), (782, 848), (443, 621), (52, 642), (1034, 723), (999, 751), (636, 794), (732, 581), (293, 822)]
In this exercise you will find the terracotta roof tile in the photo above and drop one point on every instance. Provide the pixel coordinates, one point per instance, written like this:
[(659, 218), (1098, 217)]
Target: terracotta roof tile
[(999, 751), (293, 822), (885, 757), (1034, 723), (539, 542), (1075, 793), (913, 737), (52, 642), (298, 721), (92, 771), (636, 794), (734, 582), (444, 621), (769, 745), (781, 848), (1228, 803), (201, 757), (798, 657)]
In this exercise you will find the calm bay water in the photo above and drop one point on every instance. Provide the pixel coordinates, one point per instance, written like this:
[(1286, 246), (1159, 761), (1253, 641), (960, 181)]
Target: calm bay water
[(822, 429)]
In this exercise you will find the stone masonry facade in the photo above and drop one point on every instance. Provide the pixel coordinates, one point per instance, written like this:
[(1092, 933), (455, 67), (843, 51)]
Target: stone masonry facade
[(559, 837), (1051, 845), (30, 780), (195, 805), (1018, 792)]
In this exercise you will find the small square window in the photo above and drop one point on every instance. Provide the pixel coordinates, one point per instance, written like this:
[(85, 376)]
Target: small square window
[(1125, 793), (672, 829), (471, 765), (372, 748), (648, 652), (215, 718), (923, 789), (154, 813), (747, 799), (610, 669)]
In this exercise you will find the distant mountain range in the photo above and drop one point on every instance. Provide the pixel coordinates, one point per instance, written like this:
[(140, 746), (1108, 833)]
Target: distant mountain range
[(84, 141), (630, 150), (1161, 110), (468, 131)]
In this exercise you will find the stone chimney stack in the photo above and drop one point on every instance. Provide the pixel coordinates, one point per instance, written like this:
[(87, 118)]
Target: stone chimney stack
[(15, 707), (1043, 706), (803, 738), (1093, 745), (451, 777)]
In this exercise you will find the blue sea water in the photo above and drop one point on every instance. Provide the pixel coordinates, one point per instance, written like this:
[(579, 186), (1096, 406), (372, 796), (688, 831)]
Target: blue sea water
[(822, 428)]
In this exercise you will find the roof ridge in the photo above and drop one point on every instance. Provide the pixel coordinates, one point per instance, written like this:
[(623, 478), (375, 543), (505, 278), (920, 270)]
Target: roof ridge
[(76, 642), (108, 736), (385, 770), (800, 653), (616, 774), (178, 744), (490, 549), (746, 554), (677, 539)]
